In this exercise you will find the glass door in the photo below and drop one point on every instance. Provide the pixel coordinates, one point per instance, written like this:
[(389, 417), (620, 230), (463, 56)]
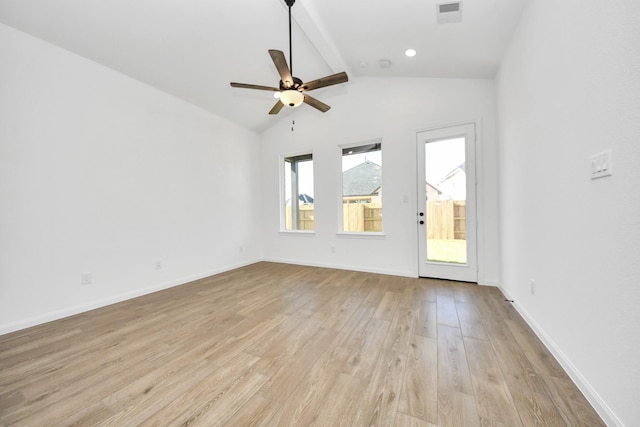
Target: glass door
[(446, 203)]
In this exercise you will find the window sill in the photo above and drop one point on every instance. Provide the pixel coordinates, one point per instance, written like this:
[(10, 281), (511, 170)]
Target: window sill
[(297, 233), (361, 235)]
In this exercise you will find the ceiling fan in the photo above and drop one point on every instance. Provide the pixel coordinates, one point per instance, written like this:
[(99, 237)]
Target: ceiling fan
[(291, 88)]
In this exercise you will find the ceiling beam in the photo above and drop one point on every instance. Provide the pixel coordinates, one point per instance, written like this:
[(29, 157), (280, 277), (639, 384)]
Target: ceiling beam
[(311, 25)]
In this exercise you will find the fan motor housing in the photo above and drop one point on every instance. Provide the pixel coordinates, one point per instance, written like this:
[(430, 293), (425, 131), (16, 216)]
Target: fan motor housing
[(296, 84)]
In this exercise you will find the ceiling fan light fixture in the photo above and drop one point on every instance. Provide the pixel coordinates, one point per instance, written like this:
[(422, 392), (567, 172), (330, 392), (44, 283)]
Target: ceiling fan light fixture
[(291, 98), (290, 90)]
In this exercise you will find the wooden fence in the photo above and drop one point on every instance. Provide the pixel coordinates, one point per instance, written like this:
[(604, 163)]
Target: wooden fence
[(446, 219), (306, 218), (362, 217), (355, 217)]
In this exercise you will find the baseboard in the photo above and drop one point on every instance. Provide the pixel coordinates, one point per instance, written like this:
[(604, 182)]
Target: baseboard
[(607, 415), (489, 283), (343, 267), (92, 305)]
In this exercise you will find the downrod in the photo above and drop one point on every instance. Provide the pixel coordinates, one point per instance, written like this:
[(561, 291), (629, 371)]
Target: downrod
[(290, 3)]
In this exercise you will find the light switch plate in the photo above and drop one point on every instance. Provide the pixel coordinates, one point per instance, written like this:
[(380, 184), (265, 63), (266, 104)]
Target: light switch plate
[(601, 165)]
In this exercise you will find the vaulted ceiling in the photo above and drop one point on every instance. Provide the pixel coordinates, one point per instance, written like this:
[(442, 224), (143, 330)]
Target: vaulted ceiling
[(193, 48)]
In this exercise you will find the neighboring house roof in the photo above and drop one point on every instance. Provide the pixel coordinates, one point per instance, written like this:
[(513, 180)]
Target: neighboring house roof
[(364, 179), (433, 187), (453, 184), (460, 168), (304, 197)]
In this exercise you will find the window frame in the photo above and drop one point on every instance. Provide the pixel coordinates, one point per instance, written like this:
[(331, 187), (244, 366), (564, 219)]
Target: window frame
[(282, 161), (340, 211)]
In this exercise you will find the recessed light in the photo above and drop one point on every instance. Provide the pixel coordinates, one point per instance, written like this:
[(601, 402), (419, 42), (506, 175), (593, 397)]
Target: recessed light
[(410, 52)]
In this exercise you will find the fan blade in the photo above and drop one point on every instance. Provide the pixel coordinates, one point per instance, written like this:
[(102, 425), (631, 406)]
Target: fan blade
[(276, 108), (319, 105), (281, 65), (249, 86), (333, 79)]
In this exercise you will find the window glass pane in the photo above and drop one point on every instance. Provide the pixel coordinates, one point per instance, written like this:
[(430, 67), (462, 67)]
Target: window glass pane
[(298, 181), (362, 188), (446, 179)]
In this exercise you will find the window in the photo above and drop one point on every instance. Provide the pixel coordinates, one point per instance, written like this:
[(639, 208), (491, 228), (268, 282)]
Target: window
[(298, 192), (362, 188)]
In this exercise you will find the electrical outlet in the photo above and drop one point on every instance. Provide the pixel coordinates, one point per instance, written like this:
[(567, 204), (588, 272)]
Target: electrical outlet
[(85, 279), (158, 264), (532, 284)]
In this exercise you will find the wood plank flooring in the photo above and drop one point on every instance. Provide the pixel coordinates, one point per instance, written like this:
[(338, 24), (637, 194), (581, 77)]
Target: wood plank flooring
[(274, 344)]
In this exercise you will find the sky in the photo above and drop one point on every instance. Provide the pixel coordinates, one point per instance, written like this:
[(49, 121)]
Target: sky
[(441, 157), (355, 159)]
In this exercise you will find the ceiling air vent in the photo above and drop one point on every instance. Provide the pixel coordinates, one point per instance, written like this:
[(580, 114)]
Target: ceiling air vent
[(449, 12)]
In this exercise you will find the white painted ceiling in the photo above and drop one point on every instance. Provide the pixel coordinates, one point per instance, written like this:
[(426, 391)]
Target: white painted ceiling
[(194, 48)]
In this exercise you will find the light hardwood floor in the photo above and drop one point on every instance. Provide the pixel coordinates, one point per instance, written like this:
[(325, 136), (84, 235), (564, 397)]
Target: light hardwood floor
[(275, 344)]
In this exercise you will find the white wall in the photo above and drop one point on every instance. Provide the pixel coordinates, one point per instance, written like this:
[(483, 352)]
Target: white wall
[(102, 174), (393, 109), (569, 87)]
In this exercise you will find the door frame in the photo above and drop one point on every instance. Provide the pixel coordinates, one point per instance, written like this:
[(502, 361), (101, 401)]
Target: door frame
[(469, 271)]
